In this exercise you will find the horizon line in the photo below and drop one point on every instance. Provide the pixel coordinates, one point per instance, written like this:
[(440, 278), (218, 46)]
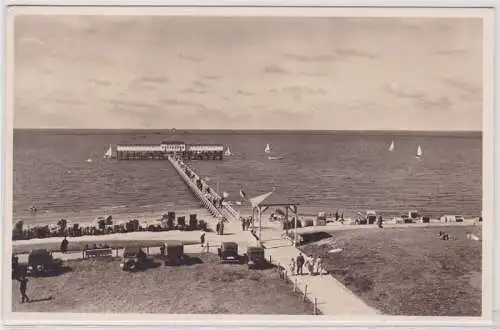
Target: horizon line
[(236, 131)]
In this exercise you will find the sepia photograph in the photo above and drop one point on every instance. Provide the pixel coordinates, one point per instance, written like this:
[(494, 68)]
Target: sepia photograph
[(315, 163)]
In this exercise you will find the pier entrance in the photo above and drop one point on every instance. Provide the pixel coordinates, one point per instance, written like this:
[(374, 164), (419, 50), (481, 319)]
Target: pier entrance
[(262, 203)]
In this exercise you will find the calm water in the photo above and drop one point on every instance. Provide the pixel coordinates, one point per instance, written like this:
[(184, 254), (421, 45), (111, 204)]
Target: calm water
[(321, 171)]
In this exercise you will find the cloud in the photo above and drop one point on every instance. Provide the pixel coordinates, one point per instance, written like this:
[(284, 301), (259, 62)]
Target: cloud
[(242, 92), (155, 80), (183, 103), (31, 41), (451, 52), (306, 58), (199, 84), (347, 53), (403, 91), (314, 74), (431, 103), (191, 90), (304, 90), (190, 58), (134, 104), (463, 86), (274, 69), (211, 77), (99, 82)]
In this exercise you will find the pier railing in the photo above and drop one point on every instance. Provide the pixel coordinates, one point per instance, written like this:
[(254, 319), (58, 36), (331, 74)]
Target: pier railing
[(203, 199)]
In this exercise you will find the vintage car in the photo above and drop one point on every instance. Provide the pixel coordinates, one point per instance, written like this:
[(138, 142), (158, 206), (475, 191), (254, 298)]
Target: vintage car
[(134, 258), (255, 257), (40, 261), (174, 253), (452, 218), (228, 252)]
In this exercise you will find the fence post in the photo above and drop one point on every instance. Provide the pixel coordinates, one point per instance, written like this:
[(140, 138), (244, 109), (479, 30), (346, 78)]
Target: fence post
[(270, 259), (83, 254), (315, 306), (305, 292)]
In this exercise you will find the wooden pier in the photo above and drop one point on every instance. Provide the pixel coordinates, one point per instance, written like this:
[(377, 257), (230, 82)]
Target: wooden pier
[(226, 211)]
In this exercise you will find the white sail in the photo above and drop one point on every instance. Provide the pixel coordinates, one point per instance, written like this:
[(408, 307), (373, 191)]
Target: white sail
[(268, 149), (391, 147), (109, 153), (419, 152), (228, 152), (89, 160)]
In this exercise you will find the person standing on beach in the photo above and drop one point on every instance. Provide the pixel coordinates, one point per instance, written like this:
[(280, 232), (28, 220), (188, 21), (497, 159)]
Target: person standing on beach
[(222, 227), (217, 228), (202, 238), (292, 266), (300, 264), (22, 287), (243, 224), (318, 265), (64, 245)]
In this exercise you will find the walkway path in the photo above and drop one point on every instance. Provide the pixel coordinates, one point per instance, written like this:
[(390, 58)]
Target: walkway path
[(333, 298)]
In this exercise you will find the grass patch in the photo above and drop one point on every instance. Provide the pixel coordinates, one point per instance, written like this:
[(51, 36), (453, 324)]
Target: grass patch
[(75, 246), (408, 271), (202, 288)]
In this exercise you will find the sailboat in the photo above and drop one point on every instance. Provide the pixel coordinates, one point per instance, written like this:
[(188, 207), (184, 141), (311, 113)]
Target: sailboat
[(419, 152), (227, 152), (268, 150), (391, 147), (109, 153), (89, 160)]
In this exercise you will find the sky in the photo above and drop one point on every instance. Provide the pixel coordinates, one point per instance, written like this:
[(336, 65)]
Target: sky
[(159, 72)]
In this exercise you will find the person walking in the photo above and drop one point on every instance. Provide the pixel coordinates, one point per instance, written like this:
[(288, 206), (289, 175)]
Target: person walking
[(217, 227), (243, 224), (64, 245), (23, 287), (292, 266), (300, 264), (202, 238), (318, 266)]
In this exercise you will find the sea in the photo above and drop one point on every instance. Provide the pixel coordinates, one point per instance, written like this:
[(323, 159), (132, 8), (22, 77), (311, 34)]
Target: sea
[(322, 171)]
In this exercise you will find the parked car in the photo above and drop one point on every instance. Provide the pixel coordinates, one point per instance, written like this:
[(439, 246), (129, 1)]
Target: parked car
[(452, 218), (134, 258), (174, 253), (41, 260), (228, 252), (255, 257)]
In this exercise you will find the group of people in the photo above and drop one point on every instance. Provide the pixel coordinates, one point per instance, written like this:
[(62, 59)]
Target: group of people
[(246, 222), (208, 193), (314, 265), (220, 227)]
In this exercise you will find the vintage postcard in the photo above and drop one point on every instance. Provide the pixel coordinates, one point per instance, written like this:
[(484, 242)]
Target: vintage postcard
[(248, 164)]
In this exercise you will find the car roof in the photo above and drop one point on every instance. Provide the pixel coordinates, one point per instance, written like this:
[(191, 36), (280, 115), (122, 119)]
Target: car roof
[(132, 249), (39, 252), (229, 244)]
